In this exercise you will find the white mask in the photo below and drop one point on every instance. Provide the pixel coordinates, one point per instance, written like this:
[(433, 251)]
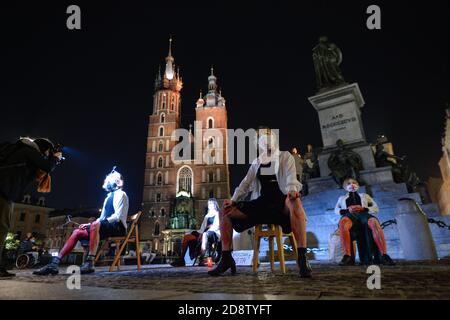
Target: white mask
[(112, 181), (352, 187), (266, 142)]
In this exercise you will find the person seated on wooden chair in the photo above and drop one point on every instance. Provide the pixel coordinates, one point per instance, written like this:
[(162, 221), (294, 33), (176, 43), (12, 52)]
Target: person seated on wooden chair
[(112, 223), (357, 215), (274, 188), (208, 230)]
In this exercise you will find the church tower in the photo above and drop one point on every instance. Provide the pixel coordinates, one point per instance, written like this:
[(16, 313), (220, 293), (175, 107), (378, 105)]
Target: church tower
[(212, 173), (160, 172), (176, 191)]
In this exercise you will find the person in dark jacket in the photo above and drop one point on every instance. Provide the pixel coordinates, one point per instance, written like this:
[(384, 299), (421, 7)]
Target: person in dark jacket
[(27, 244), (21, 164)]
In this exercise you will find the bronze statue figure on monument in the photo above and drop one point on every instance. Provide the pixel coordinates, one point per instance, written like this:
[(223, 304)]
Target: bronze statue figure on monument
[(401, 171), (327, 58), (384, 159), (344, 163)]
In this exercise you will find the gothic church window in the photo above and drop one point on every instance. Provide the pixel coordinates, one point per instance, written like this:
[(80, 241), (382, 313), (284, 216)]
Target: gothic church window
[(185, 180), (172, 103), (210, 123), (159, 179), (164, 101), (156, 233)]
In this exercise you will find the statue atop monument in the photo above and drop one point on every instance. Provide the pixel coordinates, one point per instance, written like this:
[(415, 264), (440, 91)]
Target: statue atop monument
[(344, 163), (327, 58)]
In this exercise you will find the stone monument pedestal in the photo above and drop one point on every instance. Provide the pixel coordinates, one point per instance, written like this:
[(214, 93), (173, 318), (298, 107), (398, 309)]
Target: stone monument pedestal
[(339, 114), (340, 118)]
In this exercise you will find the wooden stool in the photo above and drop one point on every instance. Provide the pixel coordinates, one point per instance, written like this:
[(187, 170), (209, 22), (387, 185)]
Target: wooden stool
[(273, 231)]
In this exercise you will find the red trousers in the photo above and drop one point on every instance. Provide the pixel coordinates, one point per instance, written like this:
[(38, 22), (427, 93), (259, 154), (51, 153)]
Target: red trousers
[(378, 235), (81, 234)]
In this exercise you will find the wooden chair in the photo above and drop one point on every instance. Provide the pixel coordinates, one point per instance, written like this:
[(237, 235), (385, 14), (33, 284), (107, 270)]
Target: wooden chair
[(273, 231), (121, 243)]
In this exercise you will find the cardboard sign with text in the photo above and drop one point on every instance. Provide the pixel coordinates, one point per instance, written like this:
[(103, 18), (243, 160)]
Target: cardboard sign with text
[(243, 257)]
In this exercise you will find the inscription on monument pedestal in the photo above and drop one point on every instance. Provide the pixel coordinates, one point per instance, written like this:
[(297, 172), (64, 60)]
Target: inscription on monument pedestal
[(339, 115)]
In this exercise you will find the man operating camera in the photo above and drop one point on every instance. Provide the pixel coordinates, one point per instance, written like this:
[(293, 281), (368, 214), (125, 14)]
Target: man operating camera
[(21, 163)]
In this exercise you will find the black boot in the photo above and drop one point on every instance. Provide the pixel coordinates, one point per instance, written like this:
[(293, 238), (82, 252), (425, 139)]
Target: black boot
[(88, 265), (303, 264), (347, 261), (5, 274), (178, 263), (226, 262), (51, 268), (387, 261)]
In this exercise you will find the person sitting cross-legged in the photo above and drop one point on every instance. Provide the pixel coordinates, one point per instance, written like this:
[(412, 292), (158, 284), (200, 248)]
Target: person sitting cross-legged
[(112, 223), (274, 188), (357, 212), (208, 230)]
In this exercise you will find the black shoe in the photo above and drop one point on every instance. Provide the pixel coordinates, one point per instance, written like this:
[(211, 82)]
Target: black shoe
[(5, 274), (387, 261), (88, 266), (226, 262), (347, 261), (178, 263), (51, 268), (303, 264)]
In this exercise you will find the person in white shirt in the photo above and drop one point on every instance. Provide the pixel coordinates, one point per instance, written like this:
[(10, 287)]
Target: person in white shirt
[(358, 216), (209, 231), (112, 223), (274, 188)]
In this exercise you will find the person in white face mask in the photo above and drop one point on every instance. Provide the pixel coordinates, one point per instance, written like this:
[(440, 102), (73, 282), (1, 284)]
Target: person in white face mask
[(209, 232), (357, 212), (112, 223), (274, 188)]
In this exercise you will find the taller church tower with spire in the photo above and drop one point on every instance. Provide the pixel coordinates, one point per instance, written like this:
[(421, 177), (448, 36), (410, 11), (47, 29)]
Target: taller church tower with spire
[(176, 193)]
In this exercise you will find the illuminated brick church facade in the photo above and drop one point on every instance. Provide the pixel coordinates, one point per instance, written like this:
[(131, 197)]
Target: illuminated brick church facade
[(176, 192)]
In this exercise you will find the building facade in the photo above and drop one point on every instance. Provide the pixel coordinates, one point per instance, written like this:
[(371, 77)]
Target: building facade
[(30, 216), (195, 174), (443, 194)]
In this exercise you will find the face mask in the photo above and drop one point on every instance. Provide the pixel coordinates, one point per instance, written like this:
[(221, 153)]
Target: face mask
[(265, 143), (352, 187), (110, 187), (109, 184)]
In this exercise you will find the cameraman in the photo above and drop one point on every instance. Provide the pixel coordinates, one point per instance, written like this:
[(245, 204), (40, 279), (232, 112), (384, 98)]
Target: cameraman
[(21, 163)]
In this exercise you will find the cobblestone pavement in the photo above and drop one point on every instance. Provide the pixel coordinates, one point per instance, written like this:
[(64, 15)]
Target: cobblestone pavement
[(404, 281)]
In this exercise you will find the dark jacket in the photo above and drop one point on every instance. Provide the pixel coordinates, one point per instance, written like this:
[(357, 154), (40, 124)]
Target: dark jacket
[(25, 246), (19, 169)]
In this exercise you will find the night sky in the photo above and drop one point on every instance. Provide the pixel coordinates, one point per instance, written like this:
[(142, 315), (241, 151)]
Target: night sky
[(92, 89)]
